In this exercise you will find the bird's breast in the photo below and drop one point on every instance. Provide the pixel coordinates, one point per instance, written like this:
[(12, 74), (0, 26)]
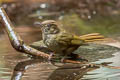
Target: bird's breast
[(51, 42)]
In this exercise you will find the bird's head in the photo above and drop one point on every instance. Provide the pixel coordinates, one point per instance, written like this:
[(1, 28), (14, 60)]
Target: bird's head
[(49, 27)]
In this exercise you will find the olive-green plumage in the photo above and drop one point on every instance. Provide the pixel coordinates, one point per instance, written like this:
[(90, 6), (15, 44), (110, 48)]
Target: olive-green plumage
[(62, 42)]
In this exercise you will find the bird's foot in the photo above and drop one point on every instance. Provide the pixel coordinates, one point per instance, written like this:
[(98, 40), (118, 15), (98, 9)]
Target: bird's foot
[(50, 59)]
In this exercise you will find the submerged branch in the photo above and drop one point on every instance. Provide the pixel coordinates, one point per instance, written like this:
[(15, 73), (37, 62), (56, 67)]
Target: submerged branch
[(15, 39)]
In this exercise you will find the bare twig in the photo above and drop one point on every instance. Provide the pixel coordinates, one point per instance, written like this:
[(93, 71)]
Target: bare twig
[(15, 39), (17, 42)]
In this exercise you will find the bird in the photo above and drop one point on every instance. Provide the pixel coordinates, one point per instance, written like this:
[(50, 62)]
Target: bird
[(64, 43)]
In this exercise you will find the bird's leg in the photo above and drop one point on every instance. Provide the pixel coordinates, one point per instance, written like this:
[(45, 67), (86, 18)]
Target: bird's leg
[(67, 53), (51, 55), (63, 59)]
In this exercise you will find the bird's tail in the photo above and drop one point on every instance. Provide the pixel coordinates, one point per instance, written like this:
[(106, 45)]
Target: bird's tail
[(92, 37)]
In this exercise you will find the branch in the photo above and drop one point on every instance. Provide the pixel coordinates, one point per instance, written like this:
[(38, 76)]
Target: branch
[(15, 39), (17, 43)]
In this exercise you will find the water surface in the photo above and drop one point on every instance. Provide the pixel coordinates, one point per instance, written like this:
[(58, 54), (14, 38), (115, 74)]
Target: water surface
[(18, 66)]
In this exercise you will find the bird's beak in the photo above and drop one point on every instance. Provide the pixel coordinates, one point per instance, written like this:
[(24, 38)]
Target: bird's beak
[(38, 24)]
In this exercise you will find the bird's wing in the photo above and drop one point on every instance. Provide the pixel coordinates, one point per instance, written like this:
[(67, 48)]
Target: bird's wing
[(70, 39), (64, 38)]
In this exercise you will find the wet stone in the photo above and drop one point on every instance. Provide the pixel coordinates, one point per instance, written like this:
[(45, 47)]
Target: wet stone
[(92, 52)]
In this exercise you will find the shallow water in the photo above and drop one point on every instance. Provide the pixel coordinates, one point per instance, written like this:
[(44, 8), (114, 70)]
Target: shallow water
[(18, 66), (105, 73)]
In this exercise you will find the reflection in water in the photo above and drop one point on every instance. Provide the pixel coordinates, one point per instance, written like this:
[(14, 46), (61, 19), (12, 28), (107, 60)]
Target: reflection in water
[(69, 72), (40, 70), (65, 72), (106, 73), (21, 67)]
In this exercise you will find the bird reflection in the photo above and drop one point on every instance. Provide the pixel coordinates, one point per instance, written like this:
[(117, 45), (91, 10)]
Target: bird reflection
[(65, 72), (39, 69)]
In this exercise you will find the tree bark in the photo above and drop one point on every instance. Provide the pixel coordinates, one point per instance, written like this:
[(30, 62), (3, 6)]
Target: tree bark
[(15, 39)]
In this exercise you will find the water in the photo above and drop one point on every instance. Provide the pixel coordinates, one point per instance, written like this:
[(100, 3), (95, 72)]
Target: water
[(105, 73), (18, 66)]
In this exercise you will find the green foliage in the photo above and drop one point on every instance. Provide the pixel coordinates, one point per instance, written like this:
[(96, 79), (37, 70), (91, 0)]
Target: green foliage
[(73, 23), (106, 25)]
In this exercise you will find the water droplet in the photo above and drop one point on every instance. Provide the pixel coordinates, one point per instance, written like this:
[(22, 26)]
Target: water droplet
[(94, 12), (74, 74), (43, 5), (4, 5), (61, 17), (40, 17), (89, 17)]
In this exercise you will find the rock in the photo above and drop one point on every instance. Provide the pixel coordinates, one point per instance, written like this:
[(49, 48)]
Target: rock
[(39, 45), (91, 52)]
